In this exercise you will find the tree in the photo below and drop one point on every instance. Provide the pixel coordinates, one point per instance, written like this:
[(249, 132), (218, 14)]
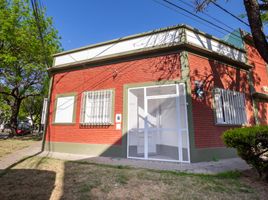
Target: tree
[(257, 14), (32, 106), (24, 49)]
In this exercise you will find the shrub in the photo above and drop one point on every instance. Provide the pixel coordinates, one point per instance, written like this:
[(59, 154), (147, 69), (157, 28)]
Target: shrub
[(252, 146)]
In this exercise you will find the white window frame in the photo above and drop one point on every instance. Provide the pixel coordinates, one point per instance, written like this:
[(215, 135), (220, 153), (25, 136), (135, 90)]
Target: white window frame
[(59, 109), (229, 107), (97, 107)]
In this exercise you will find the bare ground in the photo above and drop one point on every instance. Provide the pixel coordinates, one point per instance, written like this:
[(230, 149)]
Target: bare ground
[(11, 145)]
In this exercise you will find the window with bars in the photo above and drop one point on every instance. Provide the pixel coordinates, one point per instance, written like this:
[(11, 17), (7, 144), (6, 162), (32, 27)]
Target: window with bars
[(97, 107), (229, 107)]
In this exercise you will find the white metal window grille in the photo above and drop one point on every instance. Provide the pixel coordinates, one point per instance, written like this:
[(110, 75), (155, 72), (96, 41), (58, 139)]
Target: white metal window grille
[(97, 107), (229, 107)]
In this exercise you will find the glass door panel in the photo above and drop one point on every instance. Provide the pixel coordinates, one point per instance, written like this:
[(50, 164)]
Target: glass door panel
[(136, 121), (163, 129)]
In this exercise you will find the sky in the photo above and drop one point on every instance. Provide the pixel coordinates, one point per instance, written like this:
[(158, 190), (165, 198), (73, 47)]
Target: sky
[(85, 22)]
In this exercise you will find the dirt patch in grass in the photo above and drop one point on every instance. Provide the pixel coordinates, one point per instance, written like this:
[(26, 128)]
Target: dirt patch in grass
[(251, 177), (80, 180), (11, 145)]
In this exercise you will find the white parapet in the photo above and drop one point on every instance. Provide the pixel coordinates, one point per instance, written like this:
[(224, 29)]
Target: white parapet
[(168, 37), (214, 45), (121, 46)]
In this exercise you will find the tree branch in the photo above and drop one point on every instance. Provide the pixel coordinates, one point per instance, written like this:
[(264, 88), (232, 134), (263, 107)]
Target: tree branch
[(254, 18), (30, 95), (5, 93), (263, 6)]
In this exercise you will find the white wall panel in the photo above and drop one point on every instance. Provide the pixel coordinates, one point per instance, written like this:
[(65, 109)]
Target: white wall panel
[(157, 39), (214, 45)]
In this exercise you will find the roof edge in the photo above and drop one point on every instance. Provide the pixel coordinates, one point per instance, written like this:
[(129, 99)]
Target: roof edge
[(145, 34)]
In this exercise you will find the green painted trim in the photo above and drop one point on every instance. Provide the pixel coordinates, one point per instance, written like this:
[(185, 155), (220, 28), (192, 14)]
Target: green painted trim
[(185, 72), (113, 106), (85, 149), (74, 94), (184, 37), (48, 111), (214, 107), (260, 96), (255, 111), (212, 154), (252, 91)]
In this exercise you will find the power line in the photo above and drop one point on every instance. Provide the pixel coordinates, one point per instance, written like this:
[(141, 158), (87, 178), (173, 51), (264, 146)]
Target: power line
[(211, 17), (37, 12), (228, 12), (201, 18), (194, 19)]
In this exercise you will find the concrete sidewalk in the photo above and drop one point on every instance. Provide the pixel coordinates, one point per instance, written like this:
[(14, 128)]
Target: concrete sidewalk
[(10, 159), (202, 167)]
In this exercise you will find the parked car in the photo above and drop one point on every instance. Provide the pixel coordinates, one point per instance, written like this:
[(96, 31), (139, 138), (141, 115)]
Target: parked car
[(23, 128)]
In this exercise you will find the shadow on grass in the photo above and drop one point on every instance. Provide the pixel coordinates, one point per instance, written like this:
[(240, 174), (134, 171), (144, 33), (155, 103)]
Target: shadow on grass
[(88, 180), (16, 184)]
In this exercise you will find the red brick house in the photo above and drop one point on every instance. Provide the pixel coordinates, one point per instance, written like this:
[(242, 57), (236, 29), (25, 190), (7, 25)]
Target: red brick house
[(162, 95)]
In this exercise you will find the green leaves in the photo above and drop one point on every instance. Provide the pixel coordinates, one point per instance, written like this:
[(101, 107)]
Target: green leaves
[(252, 146), (24, 54)]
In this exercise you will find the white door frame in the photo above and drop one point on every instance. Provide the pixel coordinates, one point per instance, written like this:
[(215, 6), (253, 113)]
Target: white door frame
[(146, 98)]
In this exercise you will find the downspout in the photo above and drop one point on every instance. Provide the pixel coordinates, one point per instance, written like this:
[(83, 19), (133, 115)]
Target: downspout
[(48, 111)]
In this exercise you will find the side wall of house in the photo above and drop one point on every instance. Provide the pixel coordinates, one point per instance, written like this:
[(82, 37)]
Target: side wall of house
[(259, 76), (103, 140), (207, 143)]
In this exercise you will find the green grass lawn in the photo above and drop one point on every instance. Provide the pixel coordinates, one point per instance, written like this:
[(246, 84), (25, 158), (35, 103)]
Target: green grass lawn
[(46, 178), (11, 145)]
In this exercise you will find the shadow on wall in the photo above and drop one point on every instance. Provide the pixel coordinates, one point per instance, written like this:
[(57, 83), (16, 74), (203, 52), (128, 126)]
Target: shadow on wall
[(218, 75), (263, 112), (167, 68), (26, 184), (162, 68)]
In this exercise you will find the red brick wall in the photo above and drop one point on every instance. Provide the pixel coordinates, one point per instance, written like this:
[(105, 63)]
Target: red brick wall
[(214, 74), (105, 77), (260, 79), (262, 112), (260, 76)]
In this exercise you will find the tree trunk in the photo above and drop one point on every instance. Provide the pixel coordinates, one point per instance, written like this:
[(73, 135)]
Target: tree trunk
[(14, 116), (254, 18)]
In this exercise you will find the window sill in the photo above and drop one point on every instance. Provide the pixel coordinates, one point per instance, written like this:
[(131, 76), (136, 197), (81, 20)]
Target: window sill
[(236, 125), (62, 124)]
